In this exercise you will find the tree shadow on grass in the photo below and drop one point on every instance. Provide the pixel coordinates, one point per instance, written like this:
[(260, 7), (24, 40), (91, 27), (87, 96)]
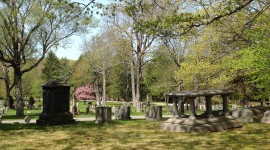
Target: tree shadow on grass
[(78, 124)]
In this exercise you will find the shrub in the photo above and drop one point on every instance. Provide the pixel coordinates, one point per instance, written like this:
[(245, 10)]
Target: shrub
[(85, 92)]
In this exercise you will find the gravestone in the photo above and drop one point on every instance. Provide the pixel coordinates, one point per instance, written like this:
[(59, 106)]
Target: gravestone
[(55, 104), (123, 113), (0, 119), (2, 111), (103, 115), (154, 113), (266, 117), (245, 115), (89, 105), (27, 119), (74, 108)]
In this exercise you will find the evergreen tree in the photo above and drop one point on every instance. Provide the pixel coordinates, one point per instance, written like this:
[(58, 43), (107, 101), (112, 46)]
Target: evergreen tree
[(51, 67)]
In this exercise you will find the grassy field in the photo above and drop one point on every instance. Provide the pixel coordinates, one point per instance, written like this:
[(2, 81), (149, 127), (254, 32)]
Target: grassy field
[(133, 134)]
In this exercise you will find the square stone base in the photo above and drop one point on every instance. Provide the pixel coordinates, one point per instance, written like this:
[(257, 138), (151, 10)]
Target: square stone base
[(55, 119), (201, 125)]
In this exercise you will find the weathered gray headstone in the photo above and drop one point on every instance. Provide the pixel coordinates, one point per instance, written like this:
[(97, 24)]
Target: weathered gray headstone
[(123, 113), (245, 115), (2, 111), (266, 117), (27, 119), (103, 115), (154, 113)]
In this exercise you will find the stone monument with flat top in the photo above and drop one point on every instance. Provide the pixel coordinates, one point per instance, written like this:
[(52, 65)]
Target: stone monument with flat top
[(55, 104)]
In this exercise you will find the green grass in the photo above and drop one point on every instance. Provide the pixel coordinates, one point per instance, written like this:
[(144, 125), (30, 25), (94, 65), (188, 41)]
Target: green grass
[(133, 134)]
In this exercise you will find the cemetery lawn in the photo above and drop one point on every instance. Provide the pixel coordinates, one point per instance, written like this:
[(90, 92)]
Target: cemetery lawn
[(133, 134)]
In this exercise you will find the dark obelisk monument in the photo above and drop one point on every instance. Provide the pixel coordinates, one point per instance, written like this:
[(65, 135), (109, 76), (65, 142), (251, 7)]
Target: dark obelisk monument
[(55, 104)]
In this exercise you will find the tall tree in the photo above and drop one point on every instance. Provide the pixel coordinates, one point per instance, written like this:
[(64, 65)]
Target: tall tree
[(100, 54), (148, 20), (51, 67), (8, 84), (30, 28)]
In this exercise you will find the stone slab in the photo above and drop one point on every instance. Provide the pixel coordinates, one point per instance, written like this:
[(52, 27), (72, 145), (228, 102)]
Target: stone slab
[(201, 125)]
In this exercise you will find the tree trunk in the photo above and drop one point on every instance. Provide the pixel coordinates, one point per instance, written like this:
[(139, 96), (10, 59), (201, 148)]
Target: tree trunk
[(18, 92), (103, 85), (97, 89), (138, 80), (133, 83), (7, 85)]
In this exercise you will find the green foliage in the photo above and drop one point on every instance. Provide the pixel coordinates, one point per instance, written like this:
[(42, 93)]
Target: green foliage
[(159, 75), (119, 82), (55, 69), (51, 68)]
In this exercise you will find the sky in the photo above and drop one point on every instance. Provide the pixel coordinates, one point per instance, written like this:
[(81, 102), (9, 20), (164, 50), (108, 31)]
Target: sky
[(73, 51)]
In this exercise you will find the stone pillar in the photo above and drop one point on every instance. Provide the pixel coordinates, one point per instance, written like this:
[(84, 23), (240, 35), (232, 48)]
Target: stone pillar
[(208, 105), (225, 104), (103, 115), (175, 109), (55, 104), (181, 108), (192, 113)]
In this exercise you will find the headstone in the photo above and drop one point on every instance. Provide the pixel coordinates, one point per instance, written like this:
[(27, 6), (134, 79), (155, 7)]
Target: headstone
[(2, 111), (14, 123), (27, 119), (103, 115), (266, 117), (55, 104), (154, 113), (245, 115), (123, 113), (234, 107), (0, 119), (89, 105)]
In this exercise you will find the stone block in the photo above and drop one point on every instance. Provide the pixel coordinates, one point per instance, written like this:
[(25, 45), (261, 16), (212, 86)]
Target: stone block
[(123, 112), (202, 125), (153, 113), (266, 117), (103, 115)]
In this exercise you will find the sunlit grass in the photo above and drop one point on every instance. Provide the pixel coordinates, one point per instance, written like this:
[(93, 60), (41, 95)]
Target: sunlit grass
[(133, 134)]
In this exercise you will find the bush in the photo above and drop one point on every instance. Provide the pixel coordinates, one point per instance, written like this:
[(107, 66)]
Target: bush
[(85, 92)]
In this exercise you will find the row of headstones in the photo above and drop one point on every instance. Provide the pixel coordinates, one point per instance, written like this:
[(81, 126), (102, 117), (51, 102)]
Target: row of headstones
[(104, 114), (256, 114), (27, 119)]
